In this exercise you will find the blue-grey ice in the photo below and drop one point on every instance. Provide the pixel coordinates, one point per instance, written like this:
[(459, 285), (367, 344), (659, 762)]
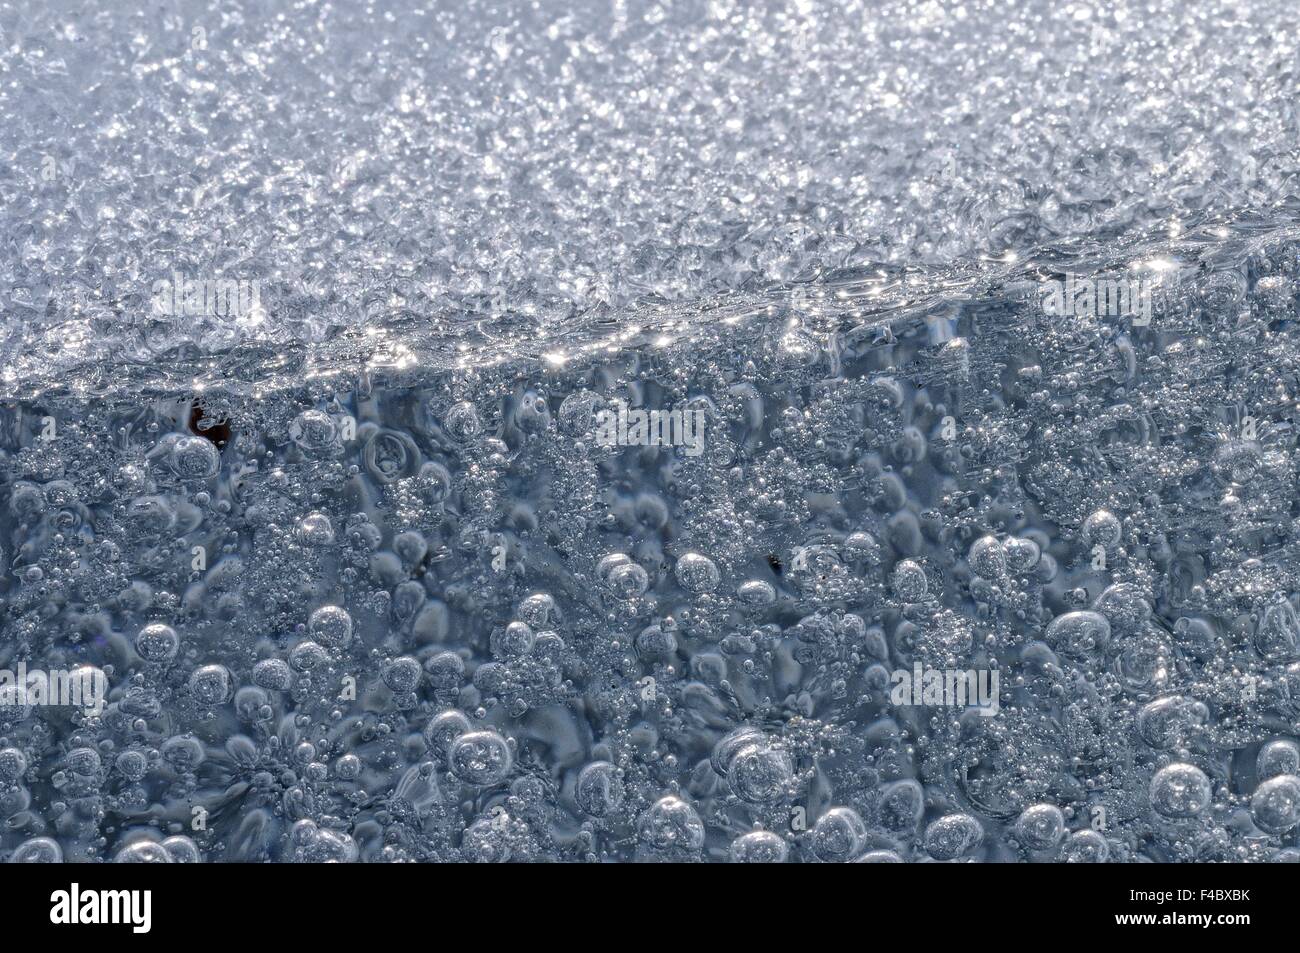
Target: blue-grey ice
[(649, 431)]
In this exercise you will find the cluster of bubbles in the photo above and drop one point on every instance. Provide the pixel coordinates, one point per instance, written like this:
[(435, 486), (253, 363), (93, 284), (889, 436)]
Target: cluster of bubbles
[(432, 617)]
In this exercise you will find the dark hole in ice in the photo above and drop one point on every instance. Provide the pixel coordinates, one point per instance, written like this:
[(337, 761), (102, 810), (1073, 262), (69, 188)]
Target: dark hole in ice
[(219, 433)]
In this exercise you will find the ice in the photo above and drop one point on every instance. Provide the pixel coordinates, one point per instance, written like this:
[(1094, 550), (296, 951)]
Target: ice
[(690, 431)]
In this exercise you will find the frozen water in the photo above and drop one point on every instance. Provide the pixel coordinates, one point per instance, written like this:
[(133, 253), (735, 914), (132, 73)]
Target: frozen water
[(679, 431)]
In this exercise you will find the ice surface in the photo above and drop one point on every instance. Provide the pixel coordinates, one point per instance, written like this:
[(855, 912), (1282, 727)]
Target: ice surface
[(435, 181)]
